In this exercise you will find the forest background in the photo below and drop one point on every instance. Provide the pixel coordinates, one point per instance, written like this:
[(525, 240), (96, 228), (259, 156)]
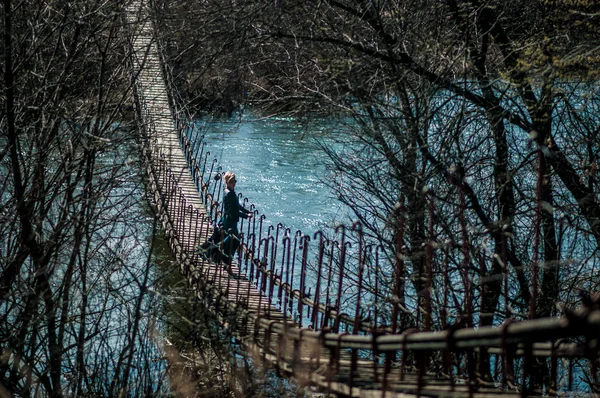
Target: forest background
[(478, 126)]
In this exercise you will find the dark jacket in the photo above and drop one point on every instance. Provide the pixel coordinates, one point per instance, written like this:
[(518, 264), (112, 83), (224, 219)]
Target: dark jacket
[(232, 211)]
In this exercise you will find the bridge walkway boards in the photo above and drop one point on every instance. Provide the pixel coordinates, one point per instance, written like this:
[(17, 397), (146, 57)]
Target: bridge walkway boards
[(184, 200), (185, 218)]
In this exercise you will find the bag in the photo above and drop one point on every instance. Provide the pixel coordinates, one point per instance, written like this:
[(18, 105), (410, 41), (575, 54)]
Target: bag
[(219, 247), (210, 250)]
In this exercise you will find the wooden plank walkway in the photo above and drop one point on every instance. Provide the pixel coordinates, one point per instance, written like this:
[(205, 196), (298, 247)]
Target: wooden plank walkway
[(167, 153), (260, 326)]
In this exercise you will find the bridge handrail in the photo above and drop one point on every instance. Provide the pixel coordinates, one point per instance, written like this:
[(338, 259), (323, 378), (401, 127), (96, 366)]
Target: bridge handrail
[(261, 266), (212, 203), (522, 339), (528, 338), (534, 331), (213, 207), (182, 117)]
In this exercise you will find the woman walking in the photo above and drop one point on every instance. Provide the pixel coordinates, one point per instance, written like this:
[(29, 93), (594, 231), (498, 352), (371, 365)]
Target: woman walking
[(223, 243), (232, 212)]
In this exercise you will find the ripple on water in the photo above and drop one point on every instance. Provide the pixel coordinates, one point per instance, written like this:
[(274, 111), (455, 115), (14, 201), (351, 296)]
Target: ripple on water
[(278, 169)]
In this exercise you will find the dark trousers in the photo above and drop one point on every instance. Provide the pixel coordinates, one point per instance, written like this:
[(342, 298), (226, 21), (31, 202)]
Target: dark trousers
[(221, 246), (230, 246)]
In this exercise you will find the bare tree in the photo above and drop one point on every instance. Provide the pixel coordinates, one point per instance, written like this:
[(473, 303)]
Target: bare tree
[(75, 315), (475, 102)]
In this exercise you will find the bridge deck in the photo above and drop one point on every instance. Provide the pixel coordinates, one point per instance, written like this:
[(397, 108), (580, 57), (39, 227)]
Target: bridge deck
[(167, 153), (236, 300)]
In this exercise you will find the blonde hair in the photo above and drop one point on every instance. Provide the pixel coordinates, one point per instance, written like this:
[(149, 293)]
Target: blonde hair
[(228, 176)]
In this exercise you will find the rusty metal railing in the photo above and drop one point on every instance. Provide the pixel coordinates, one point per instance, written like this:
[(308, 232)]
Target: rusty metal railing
[(393, 355), (332, 308)]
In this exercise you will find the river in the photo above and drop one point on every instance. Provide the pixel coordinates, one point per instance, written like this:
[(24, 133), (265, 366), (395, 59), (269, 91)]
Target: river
[(279, 166)]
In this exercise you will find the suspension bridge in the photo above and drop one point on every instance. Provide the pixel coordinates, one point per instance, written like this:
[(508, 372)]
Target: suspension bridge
[(312, 305)]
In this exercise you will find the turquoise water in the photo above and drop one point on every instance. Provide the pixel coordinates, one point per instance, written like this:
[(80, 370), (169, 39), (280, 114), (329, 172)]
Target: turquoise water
[(280, 169)]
